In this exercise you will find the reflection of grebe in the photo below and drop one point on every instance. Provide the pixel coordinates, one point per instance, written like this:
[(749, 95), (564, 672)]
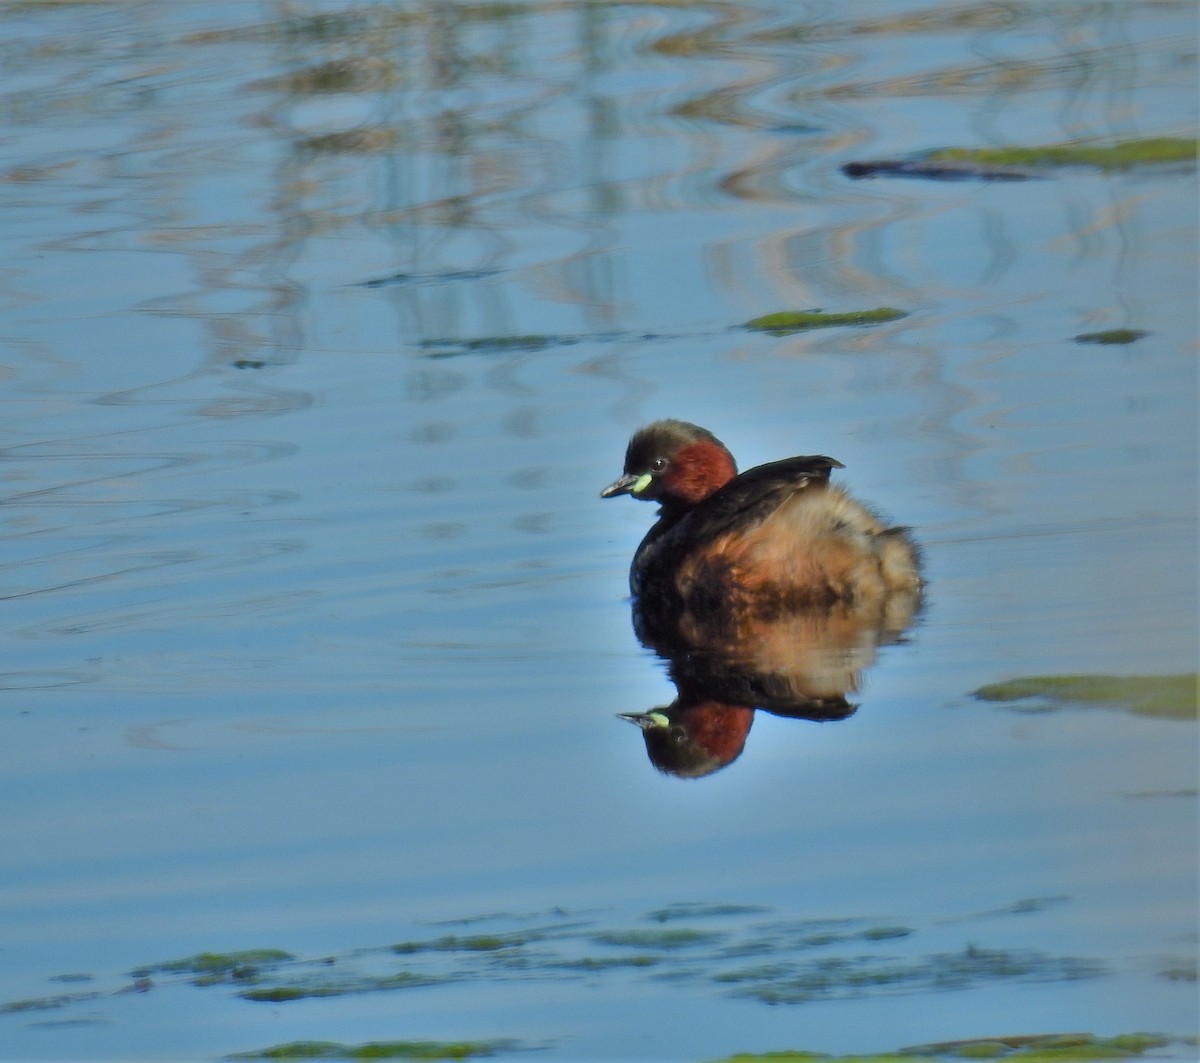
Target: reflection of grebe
[(768, 590)]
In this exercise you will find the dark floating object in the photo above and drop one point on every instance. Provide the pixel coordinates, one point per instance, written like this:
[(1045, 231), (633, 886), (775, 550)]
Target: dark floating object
[(934, 170), (500, 344), (1024, 163), (794, 129), (450, 276), (1112, 335)]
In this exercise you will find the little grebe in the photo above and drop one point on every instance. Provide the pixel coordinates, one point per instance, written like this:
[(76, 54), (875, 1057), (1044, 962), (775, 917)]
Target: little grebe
[(728, 547)]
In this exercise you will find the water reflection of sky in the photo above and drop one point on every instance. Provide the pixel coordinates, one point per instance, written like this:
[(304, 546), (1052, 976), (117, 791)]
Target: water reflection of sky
[(323, 325)]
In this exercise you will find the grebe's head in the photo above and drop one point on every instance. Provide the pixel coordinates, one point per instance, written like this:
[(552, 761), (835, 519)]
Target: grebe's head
[(675, 463)]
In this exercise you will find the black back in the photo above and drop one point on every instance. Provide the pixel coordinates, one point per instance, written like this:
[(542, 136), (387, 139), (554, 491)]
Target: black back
[(756, 493)]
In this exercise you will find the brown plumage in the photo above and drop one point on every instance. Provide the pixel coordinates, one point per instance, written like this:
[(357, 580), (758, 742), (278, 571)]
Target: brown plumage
[(728, 547)]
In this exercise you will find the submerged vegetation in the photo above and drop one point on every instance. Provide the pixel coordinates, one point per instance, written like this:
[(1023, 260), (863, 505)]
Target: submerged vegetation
[(704, 911), (1024, 163), (469, 943), (782, 323), (1028, 1048), (210, 968), (207, 963), (341, 987), (1111, 336), (380, 1050), (848, 976), (1120, 156), (657, 939), (1167, 696), (786, 322), (743, 951), (503, 344), (1031, 1048)]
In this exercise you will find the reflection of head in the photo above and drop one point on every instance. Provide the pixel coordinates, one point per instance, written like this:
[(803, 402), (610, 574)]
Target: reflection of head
[(799, 663), (691, 741)]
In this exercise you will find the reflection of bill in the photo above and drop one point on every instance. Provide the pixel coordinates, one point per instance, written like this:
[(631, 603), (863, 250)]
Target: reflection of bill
[(766, 590)]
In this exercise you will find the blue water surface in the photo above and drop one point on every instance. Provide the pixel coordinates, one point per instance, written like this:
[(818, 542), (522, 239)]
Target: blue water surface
[(324, 323)]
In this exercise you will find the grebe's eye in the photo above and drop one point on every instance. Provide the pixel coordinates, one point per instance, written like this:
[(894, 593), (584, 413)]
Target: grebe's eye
[(658, 464)]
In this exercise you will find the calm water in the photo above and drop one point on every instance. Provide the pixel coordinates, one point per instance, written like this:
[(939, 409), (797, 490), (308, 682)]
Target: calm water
[(323, 324)]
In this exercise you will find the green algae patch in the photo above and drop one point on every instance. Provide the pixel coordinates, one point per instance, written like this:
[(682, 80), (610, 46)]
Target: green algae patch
[(608, 963), (657, 939), (885, 933), (787, 322), (690, 910), (1036, 1048), (840, 977), (748, 952), (530, 342), (1171, 697), (775, 1057), (469, 943), (763, 973), (1112, 336), (212, 967), (281, 994), (379, 1050), (1181, 971), (1120, 156), (1047, 1048), (816, 1057), (13, 1007)]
